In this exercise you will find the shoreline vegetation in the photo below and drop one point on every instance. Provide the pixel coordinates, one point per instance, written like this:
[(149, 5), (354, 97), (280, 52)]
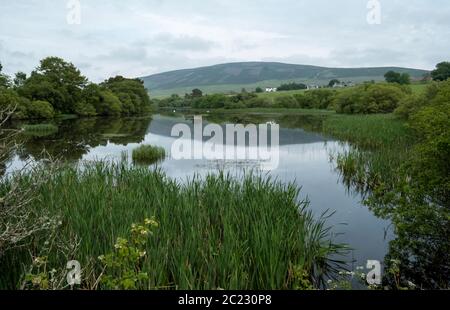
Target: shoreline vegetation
[(57, 88), (148, 154), (240, 239)]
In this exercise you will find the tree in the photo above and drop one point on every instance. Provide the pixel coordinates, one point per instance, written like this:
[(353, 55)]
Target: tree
[(405, 79), (442, 71), (20, 79), (56, 81), (196, 93), (392, 76), (395, 77), (292, 86), (333, 82), (4, 79), (131, 93), (259, 90)]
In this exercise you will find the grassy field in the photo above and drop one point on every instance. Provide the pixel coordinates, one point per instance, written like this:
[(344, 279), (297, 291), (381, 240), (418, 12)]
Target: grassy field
[(255, 234)]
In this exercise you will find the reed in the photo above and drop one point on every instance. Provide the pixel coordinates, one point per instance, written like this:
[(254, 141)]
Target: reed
[(215, 232), (148, 154)]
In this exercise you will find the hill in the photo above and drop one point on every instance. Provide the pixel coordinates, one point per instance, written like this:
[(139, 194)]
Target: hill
[(235, 76)]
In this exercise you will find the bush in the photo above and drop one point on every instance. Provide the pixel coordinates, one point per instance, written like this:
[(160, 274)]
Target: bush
[(321, 98), (40, 109), (286, 102), (369, 99), (304, 101), (258, 102)]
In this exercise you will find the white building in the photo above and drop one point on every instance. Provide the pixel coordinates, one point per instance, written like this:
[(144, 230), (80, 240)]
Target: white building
[(271, 89)]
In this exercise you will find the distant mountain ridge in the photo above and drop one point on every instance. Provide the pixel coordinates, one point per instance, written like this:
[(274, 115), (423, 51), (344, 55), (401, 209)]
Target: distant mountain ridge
[(248, 74)]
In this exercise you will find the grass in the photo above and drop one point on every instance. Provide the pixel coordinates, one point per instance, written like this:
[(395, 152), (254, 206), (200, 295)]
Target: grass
[(40, 129), (217, 232), (148, 154), (379, 145), (368, 131)]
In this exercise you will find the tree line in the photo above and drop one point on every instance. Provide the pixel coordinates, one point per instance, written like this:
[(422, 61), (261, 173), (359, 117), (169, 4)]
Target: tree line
[(57, 87), (367, 98)]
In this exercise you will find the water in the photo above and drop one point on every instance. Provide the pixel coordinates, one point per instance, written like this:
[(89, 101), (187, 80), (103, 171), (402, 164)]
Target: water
[(304, 159)]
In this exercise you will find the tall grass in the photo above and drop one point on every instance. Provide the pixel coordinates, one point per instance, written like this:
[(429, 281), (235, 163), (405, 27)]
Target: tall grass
[(148, 154), (369, 131), (379, 145), (217, 232)]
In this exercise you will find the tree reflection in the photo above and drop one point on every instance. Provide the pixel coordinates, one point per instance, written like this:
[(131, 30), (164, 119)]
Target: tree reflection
[(77, 136)]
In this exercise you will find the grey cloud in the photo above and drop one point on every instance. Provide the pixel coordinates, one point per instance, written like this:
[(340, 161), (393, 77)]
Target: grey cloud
[(140, 37), (183, 42)]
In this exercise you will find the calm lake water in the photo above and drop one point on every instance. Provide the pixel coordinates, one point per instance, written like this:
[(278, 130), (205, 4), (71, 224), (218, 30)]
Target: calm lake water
[(304, 160)]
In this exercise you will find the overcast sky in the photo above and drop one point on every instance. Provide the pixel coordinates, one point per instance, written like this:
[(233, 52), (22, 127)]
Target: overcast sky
[(137, 37)]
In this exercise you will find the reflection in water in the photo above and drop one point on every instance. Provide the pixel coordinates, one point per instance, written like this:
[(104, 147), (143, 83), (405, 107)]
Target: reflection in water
[(304, 159), (76, 137), (419, 256)]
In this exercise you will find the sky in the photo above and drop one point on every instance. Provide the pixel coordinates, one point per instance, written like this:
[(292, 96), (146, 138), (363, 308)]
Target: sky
[(136, 38)]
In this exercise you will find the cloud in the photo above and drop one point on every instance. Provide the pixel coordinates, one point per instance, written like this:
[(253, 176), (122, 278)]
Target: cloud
[(140, 37)]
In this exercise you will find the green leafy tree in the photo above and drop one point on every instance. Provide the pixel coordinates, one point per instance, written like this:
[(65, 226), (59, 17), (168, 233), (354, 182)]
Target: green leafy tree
[(395, 77), (20, 79), (405, 79), (333, 82), (259, 90), (196, 93), (442, 71), (292, 86), (4, 79), (131, 93), (57, 82)]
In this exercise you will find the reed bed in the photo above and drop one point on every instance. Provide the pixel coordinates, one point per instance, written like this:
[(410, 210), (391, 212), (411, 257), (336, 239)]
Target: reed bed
[(214, 233)]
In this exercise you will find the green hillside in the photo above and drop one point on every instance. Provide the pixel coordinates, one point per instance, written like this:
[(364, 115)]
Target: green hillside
[(235, 76)]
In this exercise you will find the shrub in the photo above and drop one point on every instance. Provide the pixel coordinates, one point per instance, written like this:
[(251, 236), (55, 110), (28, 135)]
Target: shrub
[(286, 102), (369, 99), (123, 266), (304, 101), (40, 109), (258, 102), (321, 98)]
